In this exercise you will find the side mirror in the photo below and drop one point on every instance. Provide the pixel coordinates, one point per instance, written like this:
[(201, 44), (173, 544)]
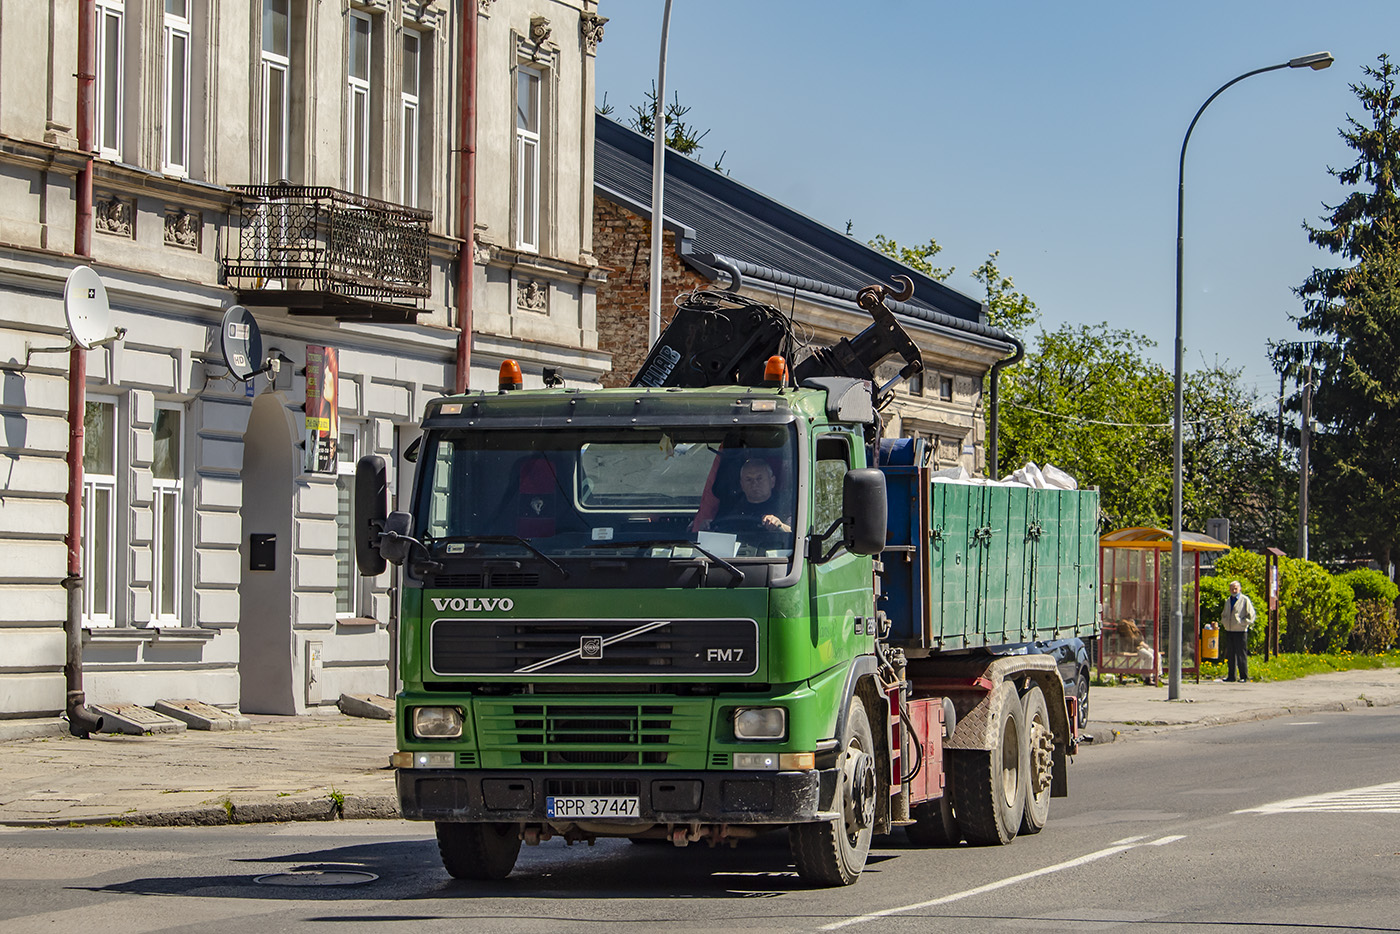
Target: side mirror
[(371, 508), (866, 511)]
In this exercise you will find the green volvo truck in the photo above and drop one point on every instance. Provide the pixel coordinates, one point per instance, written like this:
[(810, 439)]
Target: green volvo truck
[(717, 604)]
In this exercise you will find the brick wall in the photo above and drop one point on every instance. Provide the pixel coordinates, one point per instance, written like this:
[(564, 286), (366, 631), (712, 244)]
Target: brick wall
[(622, 245)]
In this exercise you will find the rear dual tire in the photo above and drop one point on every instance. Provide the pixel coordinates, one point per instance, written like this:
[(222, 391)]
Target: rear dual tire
[(991, 784)]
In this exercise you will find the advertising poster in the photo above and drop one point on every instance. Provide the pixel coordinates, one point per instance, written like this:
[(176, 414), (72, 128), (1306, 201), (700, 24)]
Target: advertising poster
[(322, 408)]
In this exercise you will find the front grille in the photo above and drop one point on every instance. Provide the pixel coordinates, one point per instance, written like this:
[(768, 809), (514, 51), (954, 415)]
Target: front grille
[(591, 734), (628, 647), (561, 728)]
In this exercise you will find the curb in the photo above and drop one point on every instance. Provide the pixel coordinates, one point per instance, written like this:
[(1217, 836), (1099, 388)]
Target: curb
[(1111, 731), (351, 807)]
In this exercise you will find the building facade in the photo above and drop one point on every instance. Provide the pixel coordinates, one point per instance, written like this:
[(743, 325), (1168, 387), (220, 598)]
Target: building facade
[(298, 157)]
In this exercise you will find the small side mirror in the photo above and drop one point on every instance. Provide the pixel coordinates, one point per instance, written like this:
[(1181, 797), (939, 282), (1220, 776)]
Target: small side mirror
[(866, 511), (395, 550), (371, 508)]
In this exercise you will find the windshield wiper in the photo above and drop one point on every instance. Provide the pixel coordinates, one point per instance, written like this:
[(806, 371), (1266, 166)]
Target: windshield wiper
[(734, 572), (500, 540)]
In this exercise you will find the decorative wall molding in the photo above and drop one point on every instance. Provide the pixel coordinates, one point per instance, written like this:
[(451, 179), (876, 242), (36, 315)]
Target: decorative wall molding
[(539, 30), (114, 217), (591, 28), (532, 295), (183, 229)]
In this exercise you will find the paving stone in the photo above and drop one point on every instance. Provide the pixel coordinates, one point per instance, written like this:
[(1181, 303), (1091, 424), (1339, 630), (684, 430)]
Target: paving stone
[(135, 720), (198, 715), (371, 706)]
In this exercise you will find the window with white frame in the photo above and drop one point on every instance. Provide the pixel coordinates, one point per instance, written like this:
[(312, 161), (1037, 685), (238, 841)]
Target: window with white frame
[(357, 118), (99, 513), (111, 33), (527, 155), (175, 154), (276, 95), (412, 77), (167, 481), (350, 598)]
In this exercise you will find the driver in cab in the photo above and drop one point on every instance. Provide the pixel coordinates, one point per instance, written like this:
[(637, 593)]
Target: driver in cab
[(758, 505)]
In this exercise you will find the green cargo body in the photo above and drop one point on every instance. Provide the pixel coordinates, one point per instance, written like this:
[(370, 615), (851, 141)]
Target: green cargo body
[(994, 565)]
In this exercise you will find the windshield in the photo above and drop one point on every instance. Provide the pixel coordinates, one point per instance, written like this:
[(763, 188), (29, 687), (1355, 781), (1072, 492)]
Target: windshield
[(661, 492)]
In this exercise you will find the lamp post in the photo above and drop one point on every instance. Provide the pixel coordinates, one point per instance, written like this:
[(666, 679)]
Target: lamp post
[(658, 176), (1317, 61)]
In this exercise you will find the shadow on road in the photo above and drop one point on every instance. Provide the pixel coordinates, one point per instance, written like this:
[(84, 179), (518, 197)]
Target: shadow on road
[(410, 870)]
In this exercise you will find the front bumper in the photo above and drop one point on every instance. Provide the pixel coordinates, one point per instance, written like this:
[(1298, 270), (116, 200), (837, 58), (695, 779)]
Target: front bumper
[(672, 797)]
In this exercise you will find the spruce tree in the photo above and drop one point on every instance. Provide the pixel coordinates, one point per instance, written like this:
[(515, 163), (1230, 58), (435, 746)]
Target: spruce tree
[(1354, 309)]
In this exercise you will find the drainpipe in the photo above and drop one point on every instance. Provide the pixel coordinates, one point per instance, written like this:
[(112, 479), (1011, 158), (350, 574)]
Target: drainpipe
[(466, 195), (996, 402), (80, 721)]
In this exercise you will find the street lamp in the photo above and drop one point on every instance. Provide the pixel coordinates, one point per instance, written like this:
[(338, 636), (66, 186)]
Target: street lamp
[(658, 181), (1317, 61)]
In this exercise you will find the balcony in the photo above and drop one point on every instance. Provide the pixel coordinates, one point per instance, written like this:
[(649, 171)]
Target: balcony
[(322, 251)]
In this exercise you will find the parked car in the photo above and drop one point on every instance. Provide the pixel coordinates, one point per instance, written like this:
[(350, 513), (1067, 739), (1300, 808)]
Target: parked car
[(1072, 658)]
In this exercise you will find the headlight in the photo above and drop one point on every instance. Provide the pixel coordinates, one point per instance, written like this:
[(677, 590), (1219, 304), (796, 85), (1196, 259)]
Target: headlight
[(768, 723), (437, 722)]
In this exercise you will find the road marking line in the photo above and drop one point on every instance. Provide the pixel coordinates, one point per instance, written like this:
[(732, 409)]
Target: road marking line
[(1377, 799), (1165, 840), (1001, 883)]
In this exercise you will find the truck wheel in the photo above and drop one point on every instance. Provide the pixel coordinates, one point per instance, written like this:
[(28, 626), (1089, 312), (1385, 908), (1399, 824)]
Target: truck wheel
[(478, 851), (1039, 741), (834, 852), (992, 785), (1081, 690), (934, 823)]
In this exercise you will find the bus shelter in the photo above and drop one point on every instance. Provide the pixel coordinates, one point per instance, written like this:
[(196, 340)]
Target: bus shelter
[(1135, 584)]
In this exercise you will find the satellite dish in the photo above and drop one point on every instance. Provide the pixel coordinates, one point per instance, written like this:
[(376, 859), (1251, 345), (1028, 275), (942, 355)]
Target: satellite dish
[(241, 342), (85, 307)]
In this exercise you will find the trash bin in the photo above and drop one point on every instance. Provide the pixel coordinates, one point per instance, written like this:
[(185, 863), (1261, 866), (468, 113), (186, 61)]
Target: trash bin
[(1210, 643)]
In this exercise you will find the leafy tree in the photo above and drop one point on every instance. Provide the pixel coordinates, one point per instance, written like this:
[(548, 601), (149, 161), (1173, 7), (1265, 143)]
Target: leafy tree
[(1355, 309), (1006, 307), (1087, 399), (919, 258)]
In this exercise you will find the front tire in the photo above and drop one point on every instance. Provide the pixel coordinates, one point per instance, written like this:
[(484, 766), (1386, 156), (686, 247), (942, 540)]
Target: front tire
[(992, 784), (834, 852), (481, 852)]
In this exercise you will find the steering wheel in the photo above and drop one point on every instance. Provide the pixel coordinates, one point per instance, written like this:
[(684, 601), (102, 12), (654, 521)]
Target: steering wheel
[(738, 524)]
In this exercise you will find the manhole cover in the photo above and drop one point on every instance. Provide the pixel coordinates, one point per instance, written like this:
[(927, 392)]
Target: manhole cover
[(316, 877)]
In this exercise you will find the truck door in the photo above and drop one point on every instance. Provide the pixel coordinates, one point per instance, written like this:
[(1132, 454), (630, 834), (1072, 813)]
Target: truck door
[(842, 595)]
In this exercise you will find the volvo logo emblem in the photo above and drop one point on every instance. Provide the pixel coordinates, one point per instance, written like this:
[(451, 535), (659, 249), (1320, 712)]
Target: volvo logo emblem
[(590, 647)]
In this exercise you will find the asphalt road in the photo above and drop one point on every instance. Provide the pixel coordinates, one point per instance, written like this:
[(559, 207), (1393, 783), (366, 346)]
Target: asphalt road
[(1176, 832)]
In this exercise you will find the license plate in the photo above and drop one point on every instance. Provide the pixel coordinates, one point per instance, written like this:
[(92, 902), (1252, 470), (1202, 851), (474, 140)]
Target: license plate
[(590, 806)]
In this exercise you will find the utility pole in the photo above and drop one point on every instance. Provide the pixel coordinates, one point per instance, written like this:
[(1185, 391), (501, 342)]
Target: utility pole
[(1304, 440)]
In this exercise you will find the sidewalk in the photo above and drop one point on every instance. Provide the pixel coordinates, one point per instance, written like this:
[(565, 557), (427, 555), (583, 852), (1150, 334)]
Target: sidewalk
[(331, 767)]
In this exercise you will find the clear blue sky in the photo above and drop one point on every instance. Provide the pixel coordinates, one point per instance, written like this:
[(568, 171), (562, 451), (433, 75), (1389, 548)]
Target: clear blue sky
[(1049, 132)]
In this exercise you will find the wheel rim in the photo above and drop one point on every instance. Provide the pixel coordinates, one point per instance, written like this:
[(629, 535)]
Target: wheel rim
[(1010, 761), (859, 791)]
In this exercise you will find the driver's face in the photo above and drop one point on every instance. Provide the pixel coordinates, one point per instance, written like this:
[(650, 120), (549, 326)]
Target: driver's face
[(756, 480)]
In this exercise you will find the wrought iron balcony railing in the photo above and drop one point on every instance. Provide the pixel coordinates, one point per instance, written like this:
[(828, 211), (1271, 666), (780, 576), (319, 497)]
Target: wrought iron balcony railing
[(319, 250)]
